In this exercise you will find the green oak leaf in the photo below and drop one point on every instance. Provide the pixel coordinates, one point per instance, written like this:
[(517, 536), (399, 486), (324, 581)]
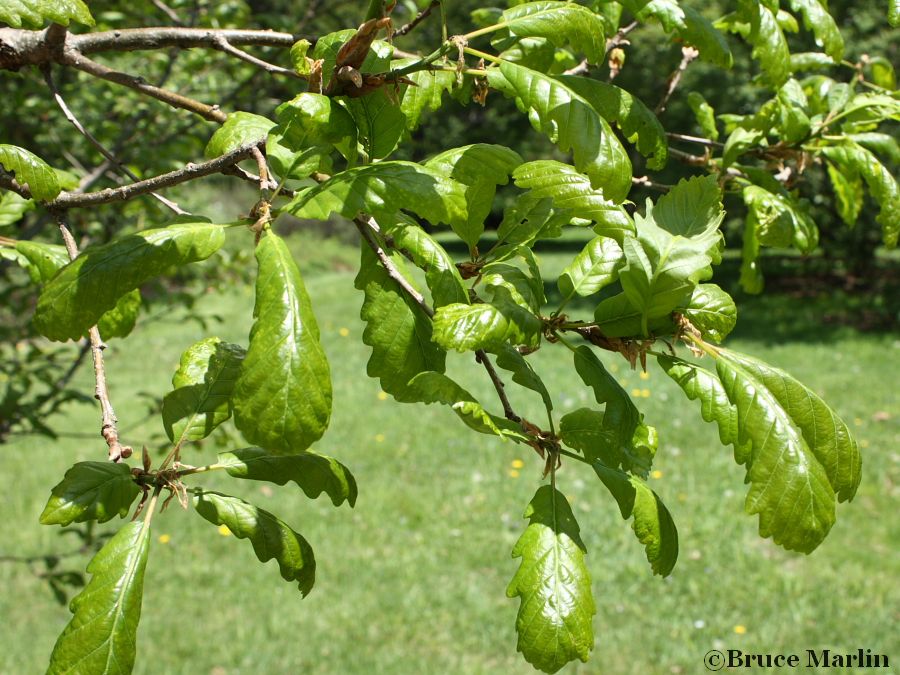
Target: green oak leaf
[(239, 129), (76, 297), (817, 18), (524, 375), (30, 170), (570, 191), (271, 537), (383, 190), (638, 123), (282, 397), (704, 114), (560, 23), (531, 218), (426, 93), (481, 168), (556, 612), (101, 638), (380, 121), (779, 220), (712, 311), (203, 385), (13, 207), (486, 325), (121, 319), (91, 491), (45, 259), (769, 44), (35, 13), (596, 266), (313, 473), (571, 123), (653, 524), (397, 329)]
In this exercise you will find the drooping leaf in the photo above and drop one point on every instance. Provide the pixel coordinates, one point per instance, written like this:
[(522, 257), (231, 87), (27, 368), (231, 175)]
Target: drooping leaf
[(282, 398), (653, 524), (441, 275), (789, 486), (817, 18), (13, 207), (848, 192), (240, 128), (271, 537), (380, 121), (596, 266), (571, 123), (560, 23), (313, 473), (526, 288), (623, 436), (677, 241), (556, 612), (76, 298), (769, 44), (425, 94), (383, 190), (35, 13), (397, 329), (487, 326), (751, 278), (879, 143), (826, 434), (779, 220), (637, 122), (481, 168), (571, 192), (704, 114), (510, 359), (712, 311), (30, 170), (91, 491), (432, 387), (854, 160), (203, 385), (45, 259), (101, 638)]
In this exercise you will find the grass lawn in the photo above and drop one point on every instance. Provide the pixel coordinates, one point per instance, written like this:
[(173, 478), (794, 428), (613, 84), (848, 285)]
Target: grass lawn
[(413, 579)]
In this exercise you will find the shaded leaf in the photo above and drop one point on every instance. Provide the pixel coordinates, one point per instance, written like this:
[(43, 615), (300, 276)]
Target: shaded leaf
[(510, 359), (240, 128), (530, 219), (91, 491), (30, 170), (397, 329), (712, 311), (75, 299), (779, 220), (817, 19), (121, 319), (282, 398), (101, 638), (313, 473), (555, 617), (653, 524), (271, 537), (769, 44), (425, 94), (203, 384), (380, 121), (571, 123), (13, 208)]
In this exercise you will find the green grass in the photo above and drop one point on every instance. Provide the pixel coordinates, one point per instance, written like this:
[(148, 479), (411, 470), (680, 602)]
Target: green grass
[(413, 579)]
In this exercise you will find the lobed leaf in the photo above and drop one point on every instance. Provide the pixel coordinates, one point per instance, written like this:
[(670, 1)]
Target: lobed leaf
[(571, 123), (270, 536), (779, 220), (91, 491), (481, 168), (75, 299), (638, 123), (30, 170), (313, 473), (426, 93), (203, 386), (397, 329), (487, 326), (35, 13), (383, 190), (555, 617), (571, 192), (653, 524), (101, 638), (560, 23), (282, 397)]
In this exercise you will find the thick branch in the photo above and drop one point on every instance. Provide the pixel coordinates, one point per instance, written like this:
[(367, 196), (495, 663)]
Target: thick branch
[(108, 428), (137, 39)]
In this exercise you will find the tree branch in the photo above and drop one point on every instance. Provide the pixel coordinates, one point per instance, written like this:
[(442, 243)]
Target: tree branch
[(137, 39), (108, 420), (482, 358), (222, 44), (688, 54), (419, 18)]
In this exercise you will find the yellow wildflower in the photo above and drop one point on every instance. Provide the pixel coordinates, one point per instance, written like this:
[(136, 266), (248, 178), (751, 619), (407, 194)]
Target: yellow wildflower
[(740, 630), (517, 464), (165, 538), (344, 332)]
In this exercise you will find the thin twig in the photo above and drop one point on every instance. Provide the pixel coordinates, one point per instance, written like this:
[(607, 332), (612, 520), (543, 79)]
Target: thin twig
[(688, 54), (262, 167), (84, 64), (222, 44), (168, 11), (688, 158), (108, 430), (482, 358), (613, 42), (419, 18), (646, 182), (69, 115), (695, 139)]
